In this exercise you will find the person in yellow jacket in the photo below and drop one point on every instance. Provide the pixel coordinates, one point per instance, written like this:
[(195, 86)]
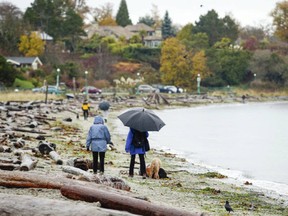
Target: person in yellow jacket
[(85, 108)]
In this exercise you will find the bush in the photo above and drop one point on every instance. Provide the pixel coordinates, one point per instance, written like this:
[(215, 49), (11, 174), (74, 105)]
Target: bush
[(23, 84)]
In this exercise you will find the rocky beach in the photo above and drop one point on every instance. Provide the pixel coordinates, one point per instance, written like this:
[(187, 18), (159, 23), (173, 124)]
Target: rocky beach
[(41, 188)]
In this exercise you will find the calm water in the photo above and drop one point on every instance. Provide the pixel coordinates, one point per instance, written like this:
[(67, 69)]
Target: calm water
[(244, 141)]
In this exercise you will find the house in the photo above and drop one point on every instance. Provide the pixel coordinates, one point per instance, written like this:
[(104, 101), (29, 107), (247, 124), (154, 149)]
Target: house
[(152, 38), (32, 62)]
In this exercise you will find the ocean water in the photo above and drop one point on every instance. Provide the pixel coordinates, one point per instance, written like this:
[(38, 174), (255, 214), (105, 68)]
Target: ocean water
[(247, 142)]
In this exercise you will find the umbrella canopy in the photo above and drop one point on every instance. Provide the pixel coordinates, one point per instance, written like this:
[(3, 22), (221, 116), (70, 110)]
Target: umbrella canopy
[(104, 106), (141, 119)]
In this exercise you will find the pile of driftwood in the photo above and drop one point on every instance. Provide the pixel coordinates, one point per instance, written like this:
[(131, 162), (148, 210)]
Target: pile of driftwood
[(24, 133)]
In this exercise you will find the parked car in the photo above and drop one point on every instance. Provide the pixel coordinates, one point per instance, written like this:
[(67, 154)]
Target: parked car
[(51, 89), (174, 89), (91, 90), (146, 89), (168, 89)]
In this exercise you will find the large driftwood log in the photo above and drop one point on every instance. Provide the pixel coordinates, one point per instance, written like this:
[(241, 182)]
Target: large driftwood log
[(35, 206), (118, 202), (27, 163)]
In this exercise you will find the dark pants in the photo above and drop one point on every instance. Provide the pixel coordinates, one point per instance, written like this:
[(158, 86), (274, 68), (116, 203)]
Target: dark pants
[(95, 161), (142, 165), (85, 114)]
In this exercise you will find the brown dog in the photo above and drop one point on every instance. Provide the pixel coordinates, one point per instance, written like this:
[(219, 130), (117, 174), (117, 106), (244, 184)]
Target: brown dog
[(153, 170)]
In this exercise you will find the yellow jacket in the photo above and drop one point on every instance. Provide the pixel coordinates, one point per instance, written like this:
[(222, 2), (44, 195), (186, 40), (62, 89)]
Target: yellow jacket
[(85, 106)]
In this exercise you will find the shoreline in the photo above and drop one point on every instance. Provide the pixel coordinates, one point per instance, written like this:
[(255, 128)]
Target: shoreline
[(229, 183), (183, 190)]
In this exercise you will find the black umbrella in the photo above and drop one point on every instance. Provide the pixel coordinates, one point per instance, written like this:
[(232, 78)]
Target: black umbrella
[(104, 106), (141, 119)]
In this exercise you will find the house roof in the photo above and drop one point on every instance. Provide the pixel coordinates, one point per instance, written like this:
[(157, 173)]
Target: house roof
[(44, 36), (23, 60), (139, 27)]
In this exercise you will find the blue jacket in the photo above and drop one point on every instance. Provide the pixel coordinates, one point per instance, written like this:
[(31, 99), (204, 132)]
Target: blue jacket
[(98, 136), (130, 148)]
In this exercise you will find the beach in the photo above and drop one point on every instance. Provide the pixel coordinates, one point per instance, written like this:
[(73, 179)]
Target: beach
[(185, 189)]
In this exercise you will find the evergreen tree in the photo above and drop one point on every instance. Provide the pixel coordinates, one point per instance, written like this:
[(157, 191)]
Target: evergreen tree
[(122, 17), (167, 30)]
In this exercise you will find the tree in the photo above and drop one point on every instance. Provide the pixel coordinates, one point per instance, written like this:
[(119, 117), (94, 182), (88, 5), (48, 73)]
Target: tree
[(72, 29), (104, 15), (148, 20), (7, 72), (193, 42), (229, 65), (176, 66), (32, 45), (156, 16), (167, 30), (280, 20), (199, 65), (122, 17), (11, 28), (216, 28)]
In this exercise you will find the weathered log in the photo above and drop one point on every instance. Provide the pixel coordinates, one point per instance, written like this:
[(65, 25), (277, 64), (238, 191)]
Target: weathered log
[(27, 163), (20, 179), (5, 149), (35, 206), (113, 182), (118, 202), (56, 157), (8, 166), (28, 131)]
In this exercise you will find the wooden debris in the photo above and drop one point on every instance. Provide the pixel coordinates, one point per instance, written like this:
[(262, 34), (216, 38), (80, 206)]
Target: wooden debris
[(27, 163), (116, 201)]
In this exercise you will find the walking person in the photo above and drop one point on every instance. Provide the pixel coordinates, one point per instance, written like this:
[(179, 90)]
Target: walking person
[(133, 149), (85, 108), (98, 137)]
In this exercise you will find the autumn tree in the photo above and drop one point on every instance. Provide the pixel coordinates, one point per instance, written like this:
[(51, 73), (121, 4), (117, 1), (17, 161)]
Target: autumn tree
[(175, 63), (280, 20), (104, 15), (31, 45), (122, 17), (199, 65)]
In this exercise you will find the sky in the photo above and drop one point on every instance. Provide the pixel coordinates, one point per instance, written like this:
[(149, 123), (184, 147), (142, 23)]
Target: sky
[(182, 12)]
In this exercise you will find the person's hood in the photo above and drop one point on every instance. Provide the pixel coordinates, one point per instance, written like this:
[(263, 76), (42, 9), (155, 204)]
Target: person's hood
[(98, 120)]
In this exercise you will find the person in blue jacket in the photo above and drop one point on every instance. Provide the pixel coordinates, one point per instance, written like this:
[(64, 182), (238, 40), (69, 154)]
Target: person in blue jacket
[(97, 138), (129, 147)]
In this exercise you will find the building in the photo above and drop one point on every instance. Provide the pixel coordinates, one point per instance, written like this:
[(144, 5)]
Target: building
[(31, 62)]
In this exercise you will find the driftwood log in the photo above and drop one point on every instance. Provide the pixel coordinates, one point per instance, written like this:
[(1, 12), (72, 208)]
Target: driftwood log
[(56, 157), (118, 202), (35, 206), (27, 163), (113, 182)]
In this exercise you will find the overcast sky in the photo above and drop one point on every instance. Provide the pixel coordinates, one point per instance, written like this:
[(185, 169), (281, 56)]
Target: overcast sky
[(246, 12)]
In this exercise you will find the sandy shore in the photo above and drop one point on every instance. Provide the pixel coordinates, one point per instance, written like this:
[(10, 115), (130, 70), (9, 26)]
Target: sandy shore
[(191, 191)]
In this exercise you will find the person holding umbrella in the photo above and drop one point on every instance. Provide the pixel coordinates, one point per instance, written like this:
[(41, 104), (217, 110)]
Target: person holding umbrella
[(104, 107), (135, 144), (98, 137)]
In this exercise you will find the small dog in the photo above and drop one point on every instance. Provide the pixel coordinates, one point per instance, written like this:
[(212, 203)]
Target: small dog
[(153, 170)]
